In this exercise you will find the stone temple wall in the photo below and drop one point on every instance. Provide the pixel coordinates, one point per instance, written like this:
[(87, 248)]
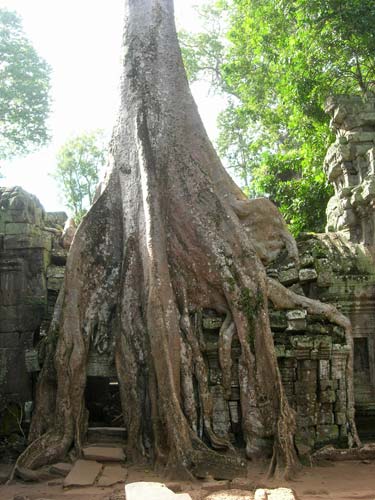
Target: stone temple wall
[(350, 167), (31, 271), (335, 271)]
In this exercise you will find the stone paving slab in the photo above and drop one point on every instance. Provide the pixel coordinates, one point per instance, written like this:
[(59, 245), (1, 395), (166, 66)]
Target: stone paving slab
[(152, 491), (84, 473), (104, 453), (61, 468), (112, 474), (106, 435)]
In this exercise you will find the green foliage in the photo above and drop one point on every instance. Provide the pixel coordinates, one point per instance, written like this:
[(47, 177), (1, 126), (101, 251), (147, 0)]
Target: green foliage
[(280, 62), (204, 53), (79, 163), (24, 90)]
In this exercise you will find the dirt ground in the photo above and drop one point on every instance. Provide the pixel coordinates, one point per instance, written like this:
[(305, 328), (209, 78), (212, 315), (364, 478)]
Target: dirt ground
[(332, 481)]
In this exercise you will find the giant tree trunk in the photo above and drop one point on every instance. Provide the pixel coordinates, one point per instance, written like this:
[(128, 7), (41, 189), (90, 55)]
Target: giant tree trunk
[(170, 235)]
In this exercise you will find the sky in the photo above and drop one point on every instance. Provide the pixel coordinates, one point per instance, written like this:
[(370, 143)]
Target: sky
[(81, 40)]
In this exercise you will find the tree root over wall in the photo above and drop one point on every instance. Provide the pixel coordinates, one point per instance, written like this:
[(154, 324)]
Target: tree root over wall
[(169, 235)]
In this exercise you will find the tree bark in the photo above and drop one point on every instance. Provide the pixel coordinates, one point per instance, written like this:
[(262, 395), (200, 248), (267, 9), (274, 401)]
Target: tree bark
[(170, 235)]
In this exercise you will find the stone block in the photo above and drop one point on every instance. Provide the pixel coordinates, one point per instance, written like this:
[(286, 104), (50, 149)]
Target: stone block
[(280, 351), (306, 408), (58, 254), (317, 328), (22, 317), (327, 433), (323, 346), (112, 474), (305, 421), (83, 473), (295, 314), (14, 378), (341, 418), (326, 416), (19, 206), (272, 273), (307, 275), (22, 241), (212, 323), (305, 439), (307, 372), (308, 364), (278, 320), (218, 467), (341, 395), (61, 468), (32, 360), (288, 276), (341, 384), (338, 372), (327, 384), (56, 219), (220, 412), (305, 389), (339, 406), (327, 396), (306, 260), (324, 369), (287, 374), (338, 331), (325, 274), (360, 136), (215, 376), (296, 325), (235, 393), (296, 320), (101, 365), (11, 340), (55, 276), (20, 228), (104, 453)]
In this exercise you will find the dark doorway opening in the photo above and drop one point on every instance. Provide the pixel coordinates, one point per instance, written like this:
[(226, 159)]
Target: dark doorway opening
[(103, 402), (364, 388)]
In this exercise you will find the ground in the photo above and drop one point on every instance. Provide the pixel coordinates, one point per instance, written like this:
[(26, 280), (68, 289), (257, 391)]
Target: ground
[(332, 481)]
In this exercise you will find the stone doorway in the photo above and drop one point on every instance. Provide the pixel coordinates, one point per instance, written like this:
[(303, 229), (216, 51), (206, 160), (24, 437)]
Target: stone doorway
[(103, 402), (364, 386)]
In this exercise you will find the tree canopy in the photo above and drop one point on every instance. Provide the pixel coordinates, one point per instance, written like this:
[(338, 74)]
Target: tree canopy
[(79, 162), (278, 62), (24, 90)]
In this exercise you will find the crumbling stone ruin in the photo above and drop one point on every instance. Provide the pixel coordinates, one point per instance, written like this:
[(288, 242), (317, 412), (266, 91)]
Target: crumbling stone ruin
[(313, 354), (338, 268), (32, 263), (350, 167)]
